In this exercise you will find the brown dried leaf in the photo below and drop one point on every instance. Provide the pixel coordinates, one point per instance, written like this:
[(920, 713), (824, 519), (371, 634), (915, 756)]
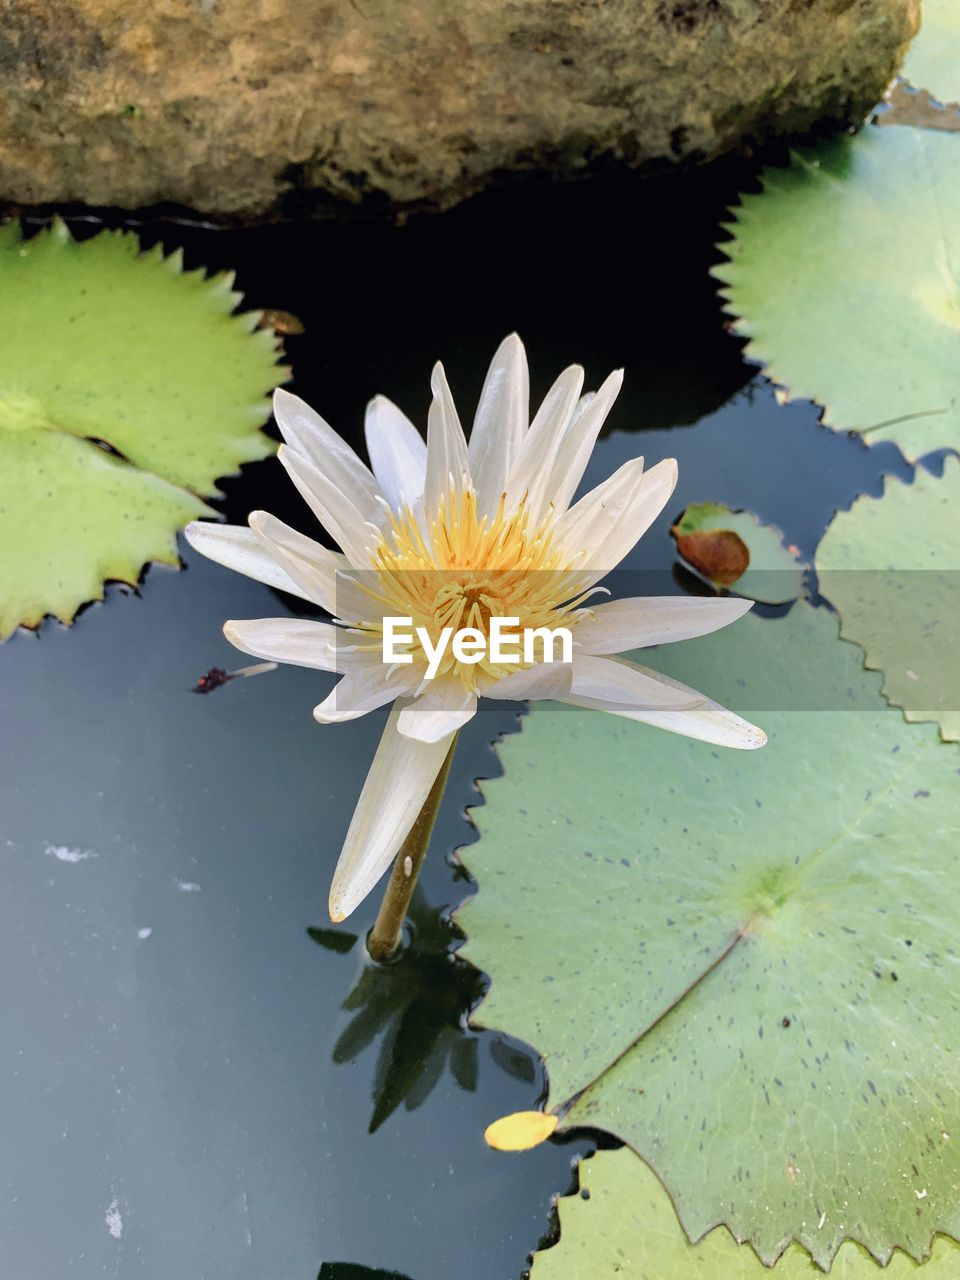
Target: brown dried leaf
[(719, 554), (284, 322)]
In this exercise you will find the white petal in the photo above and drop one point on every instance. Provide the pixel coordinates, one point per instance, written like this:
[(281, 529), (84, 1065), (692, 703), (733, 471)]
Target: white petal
[(577, 446), (626, 685), (359, 692), (587, 522), (500, 424), (238, 548), (338, 515), (446, 445), (399, 781), (707, 723), (583, 403), (306, 432), (706, 720), (443, 708), (607, 523), (397, 452), (637, 623), (294, 640), (311, 566), (530, 473), (545, 680)]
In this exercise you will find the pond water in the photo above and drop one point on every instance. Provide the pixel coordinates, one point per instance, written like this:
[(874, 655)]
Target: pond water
[(201, 1078)]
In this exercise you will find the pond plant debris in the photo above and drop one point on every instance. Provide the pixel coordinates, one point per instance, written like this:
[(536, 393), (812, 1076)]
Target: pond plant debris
[(735, 551), (216, 676)]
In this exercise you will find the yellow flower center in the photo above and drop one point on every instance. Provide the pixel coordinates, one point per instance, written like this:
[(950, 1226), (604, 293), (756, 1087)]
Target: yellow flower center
[(469, 569)]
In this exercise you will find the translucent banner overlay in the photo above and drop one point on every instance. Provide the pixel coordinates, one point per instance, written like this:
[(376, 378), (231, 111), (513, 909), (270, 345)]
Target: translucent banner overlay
[(907, 619)]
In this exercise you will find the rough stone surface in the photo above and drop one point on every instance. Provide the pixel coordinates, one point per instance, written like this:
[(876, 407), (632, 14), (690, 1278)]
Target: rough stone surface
[(224, 105)]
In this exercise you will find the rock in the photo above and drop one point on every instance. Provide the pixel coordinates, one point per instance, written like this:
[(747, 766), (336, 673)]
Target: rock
[(224, 105)]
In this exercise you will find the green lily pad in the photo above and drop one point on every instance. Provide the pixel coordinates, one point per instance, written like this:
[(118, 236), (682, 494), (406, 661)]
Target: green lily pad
[(734, 552), (127, 387), (933, 59), (890, 568), (624, 1227), (843, 275), (744, 965)]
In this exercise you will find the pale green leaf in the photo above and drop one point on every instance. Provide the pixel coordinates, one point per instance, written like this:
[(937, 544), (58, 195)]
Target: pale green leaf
[(844, 273), (625, 1228), (105, 344), (933, 59), (743, 964), (891, 568)]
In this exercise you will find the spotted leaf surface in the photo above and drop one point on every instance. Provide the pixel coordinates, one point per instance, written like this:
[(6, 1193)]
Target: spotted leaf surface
[(933, 59), (621, 1224), (743, 964)]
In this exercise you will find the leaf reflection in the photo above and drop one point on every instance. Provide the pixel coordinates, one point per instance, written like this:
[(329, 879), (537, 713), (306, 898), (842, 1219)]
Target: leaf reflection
[(354, 1271), (415, 1010)]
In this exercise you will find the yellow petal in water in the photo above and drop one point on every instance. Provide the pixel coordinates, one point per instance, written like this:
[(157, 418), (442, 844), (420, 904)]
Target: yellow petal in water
[(521, 1131)]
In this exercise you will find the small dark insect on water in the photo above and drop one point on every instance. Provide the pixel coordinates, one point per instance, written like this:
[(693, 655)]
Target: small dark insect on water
[(216, 676)]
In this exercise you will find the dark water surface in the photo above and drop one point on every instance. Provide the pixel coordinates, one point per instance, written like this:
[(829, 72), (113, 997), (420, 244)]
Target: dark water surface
[(200, 1078)]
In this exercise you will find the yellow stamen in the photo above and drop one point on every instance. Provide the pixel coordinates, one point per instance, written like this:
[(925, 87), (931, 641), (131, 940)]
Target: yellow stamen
[(468, 569)]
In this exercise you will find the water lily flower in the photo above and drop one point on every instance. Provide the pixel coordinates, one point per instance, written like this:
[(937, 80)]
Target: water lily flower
[(454, 532)]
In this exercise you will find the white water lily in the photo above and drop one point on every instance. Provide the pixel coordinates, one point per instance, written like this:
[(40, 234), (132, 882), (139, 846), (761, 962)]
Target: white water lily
[(451, 532)]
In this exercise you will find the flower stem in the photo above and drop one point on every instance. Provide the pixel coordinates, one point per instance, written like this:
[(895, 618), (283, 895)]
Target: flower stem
[(386, 935)]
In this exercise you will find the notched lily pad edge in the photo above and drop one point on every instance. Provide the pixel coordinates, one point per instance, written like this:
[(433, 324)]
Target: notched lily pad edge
[(743, 327), (255, 322), (554, 1238), (912, 717), (260, 446), (869, 663), (127, 585)]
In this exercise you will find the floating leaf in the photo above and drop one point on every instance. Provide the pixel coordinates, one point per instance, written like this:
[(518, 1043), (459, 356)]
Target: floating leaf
[(127, 387), (843, 275), (622, 1226), (720, 555), (742, 964), (933, 59), (890, 568), (733, 550)]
